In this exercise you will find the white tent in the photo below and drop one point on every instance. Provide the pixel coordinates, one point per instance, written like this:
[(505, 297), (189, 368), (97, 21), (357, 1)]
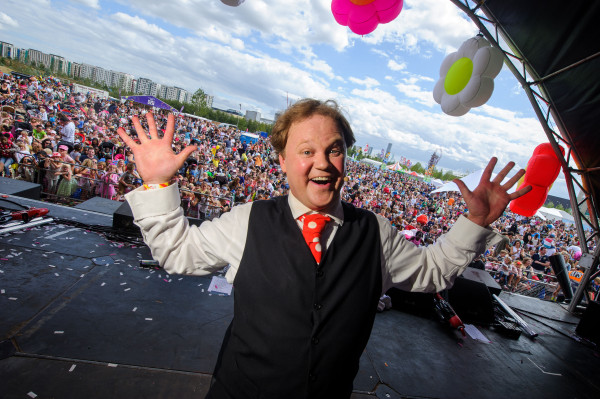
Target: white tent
[(437, 182), (395, 166), (471, 181), (371, 162)]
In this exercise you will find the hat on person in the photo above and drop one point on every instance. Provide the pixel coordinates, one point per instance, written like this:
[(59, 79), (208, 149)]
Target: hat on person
[(48, 151), (56, 155), (63, 147)]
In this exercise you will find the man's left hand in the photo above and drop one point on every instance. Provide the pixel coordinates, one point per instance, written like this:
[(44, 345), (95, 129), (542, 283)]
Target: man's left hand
[(490, 198)]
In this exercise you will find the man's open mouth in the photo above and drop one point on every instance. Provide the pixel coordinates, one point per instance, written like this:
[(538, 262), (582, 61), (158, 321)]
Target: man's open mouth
[(321, 180)]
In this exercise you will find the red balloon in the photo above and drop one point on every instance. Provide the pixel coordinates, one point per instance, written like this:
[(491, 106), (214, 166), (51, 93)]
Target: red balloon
[(422, 219), (542, 170)]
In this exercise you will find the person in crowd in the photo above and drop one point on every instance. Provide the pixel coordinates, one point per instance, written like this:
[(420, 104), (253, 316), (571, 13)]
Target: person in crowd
[(110, 179), (54, 170), (540, 260), (127, 181), (7, 154), (26, 169), (67, 130), (321, 292), (87, 177)]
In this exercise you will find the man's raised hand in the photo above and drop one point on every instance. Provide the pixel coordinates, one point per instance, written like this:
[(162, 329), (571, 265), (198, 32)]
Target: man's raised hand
[(154, 157), (490, 198)]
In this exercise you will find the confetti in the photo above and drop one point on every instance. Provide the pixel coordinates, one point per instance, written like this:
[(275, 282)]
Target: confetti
[(72, 368), (68, 268), (31, 395), (56, 274), (112, 365), (121, 273), (102, 285), (82, 275), (134, 309), (51, 266), (126, 289), (123, 284), (2, 291), (12, 298), (149, 318), (147, 277), (59, 332)]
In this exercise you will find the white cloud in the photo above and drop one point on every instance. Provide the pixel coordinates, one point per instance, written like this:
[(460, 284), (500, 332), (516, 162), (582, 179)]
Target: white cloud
[(394, 66), (7, 22), (368, 81), (262, 53), (89, 3)]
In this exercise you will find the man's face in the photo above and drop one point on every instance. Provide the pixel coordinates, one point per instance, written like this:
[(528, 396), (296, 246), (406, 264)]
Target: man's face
[(91, 152), (314, 161)]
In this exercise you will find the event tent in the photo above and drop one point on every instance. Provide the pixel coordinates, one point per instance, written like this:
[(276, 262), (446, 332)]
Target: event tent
[(151, 101), (396, 166)]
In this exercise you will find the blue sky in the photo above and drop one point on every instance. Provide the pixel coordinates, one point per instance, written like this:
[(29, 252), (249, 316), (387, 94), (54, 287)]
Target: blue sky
[(262, 52)]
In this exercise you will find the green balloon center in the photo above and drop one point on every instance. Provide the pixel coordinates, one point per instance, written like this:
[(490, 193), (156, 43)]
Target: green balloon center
[(458, 75)]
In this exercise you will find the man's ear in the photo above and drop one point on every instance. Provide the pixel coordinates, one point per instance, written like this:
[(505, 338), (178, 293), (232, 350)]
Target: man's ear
[(282, 163)]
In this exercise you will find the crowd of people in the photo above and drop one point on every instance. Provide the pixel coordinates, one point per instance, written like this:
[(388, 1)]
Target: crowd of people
[(67, 142)]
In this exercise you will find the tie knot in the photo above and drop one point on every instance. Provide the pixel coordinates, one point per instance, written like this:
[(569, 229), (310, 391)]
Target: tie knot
[(314, 223)]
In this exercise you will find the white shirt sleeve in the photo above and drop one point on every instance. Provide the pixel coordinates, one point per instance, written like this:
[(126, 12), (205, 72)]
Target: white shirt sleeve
[(184, 249), (432, 268)]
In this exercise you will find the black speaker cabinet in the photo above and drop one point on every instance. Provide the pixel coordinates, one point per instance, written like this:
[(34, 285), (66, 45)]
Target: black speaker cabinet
[(471, 298), (123, 219), (589, 326)]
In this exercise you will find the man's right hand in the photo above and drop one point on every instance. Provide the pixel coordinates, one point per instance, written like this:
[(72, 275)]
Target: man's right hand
[(154, 158)]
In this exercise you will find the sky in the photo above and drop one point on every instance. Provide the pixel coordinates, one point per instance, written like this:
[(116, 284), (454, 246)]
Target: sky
[(265, 53)]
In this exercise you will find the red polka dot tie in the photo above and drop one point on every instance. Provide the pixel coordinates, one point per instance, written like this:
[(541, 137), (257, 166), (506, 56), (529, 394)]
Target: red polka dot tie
[(312, 227)]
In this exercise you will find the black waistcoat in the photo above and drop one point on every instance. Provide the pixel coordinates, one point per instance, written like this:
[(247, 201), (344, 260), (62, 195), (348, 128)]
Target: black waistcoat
[(299, 328)]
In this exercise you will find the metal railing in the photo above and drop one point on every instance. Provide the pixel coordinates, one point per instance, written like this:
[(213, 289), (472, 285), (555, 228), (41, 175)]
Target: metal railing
[(531, 283), (201, 206)]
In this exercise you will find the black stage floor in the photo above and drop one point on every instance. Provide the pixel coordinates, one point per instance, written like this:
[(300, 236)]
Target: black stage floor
[(80, 318)]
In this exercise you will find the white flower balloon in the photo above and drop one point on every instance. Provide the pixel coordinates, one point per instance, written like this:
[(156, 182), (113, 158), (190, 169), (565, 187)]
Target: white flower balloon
[(467, 76)]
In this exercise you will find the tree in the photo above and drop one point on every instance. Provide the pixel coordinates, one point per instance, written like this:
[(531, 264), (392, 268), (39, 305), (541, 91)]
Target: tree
[(199, 100), (418, 168)]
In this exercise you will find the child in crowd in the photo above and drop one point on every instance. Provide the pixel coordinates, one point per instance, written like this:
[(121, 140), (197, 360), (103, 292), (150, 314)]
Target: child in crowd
[(109, 182)]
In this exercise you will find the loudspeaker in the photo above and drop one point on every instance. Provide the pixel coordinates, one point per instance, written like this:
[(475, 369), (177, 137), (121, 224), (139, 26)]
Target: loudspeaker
[(589, 326), (471, 298), (20, 188), (483, 277), (123, 219), (560, 271), (100, 205), (417, 303)]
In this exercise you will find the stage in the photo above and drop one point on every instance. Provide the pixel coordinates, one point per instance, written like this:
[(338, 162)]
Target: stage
[(79, 317)]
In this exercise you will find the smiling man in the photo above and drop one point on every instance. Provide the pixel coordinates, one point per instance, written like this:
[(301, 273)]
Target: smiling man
[(308, 269)]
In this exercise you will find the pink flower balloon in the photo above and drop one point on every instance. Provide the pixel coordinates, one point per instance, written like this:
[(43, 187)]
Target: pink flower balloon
[(363, 16)]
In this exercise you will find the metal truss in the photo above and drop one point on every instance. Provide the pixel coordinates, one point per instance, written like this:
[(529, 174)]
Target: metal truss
[(548, 116)]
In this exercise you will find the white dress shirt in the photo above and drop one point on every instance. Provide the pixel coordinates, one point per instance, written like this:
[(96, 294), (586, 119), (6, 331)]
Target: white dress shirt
[(200, 250)]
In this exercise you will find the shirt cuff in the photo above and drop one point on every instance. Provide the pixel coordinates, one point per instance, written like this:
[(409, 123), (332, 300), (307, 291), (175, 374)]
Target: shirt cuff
[(146, 203), (470, 234)]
